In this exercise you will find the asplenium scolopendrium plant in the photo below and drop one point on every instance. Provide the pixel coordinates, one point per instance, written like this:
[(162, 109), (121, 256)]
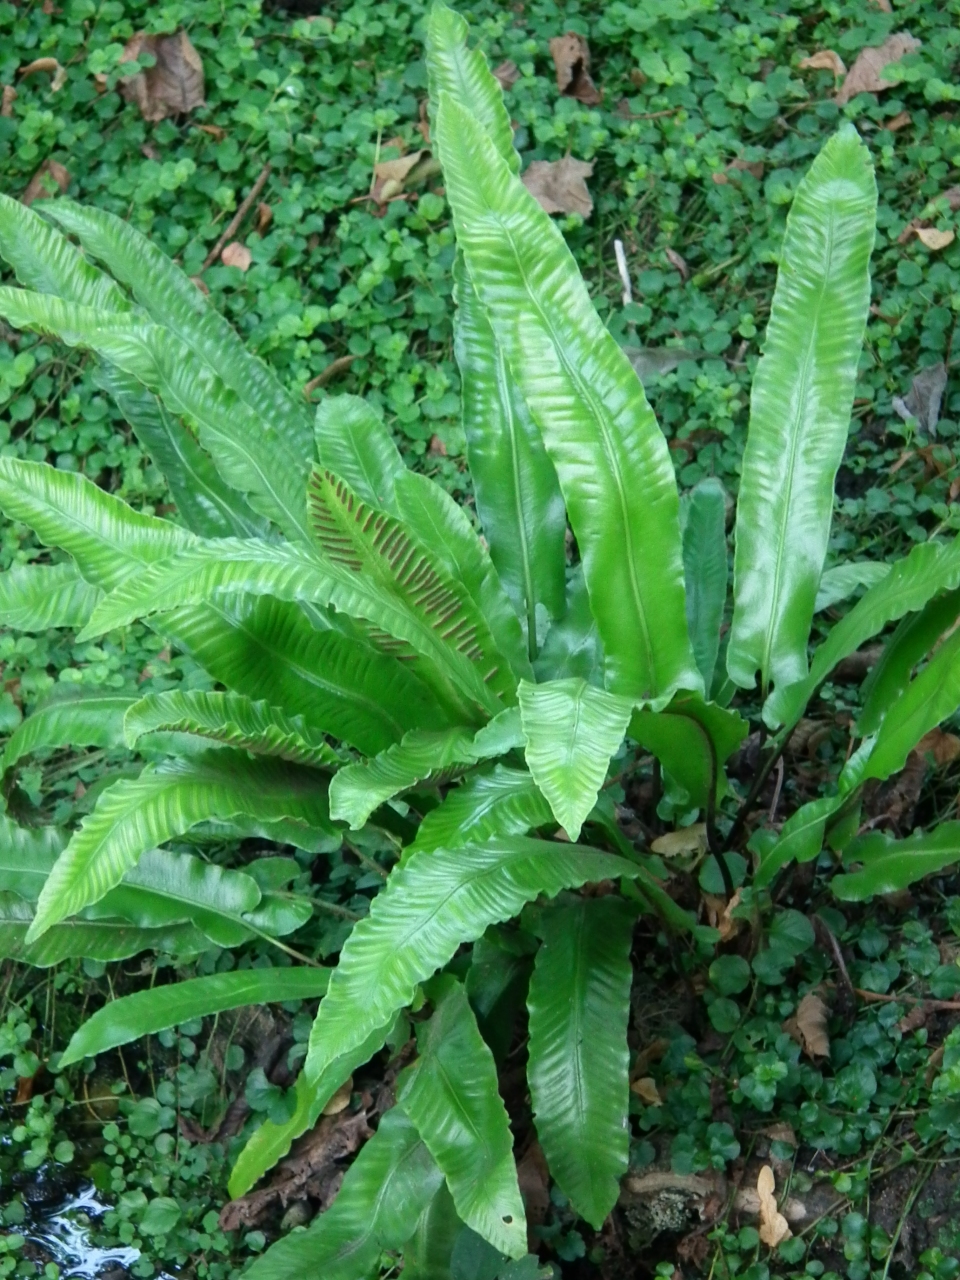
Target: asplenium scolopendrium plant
[(366, 646)]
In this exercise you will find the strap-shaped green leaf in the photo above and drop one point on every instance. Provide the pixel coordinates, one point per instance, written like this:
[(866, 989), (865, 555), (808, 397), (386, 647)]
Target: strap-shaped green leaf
[(46, 261), (385, 1191), (573, 648), (889, 866), (94, 939), (206, 503), (572, 729), (76, 718), (171, 299), (146, 1012), (843, 579), (705, 572), (611, 458), (137, 814), (431, 906), (691, 739), (504, 802), (26, 856), (34, 597), (106, 538), (800, 839), (428, 1254), (578, 1064), (800, 413), (353, 442), (913, 639), (252, 456), (930, 568), (230, 718), (272, 1141), (451, 1095)]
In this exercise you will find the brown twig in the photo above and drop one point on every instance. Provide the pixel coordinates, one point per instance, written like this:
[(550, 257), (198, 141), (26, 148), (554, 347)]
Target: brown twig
[(340, 365), (877, 997), (233, 226)]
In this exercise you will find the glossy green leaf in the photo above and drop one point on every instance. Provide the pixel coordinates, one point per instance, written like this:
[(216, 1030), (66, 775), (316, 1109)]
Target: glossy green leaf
[(691, 739), (800, 407), (206, 504), (572, 730), (578, 1064), (705, 572), (889, 866), (34, 597), (931, 567), (137, 814), (842, 580), (428, 1254), (75, 718), (913, 639), (800, 839), (504, 802), (451, 1095), (26, 856), (384, 1193), (353, 442), (231, 718), (572, 648), (431, 906), (146, 1012), (611, 458)]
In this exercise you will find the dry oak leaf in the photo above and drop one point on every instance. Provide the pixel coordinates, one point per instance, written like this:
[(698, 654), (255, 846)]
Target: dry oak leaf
[(559, 186), (508, 73), (173, 85), (390, 175), (236, 255), (571, 57), (48, 178), (825, 60), (811, 1019), (942, 747), (646, 1090), (774, 1228), (720, 915), (9, 98), (865, 76), (933, 239)]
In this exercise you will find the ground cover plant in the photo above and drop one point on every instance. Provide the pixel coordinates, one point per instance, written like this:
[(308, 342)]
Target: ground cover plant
[(493, 633)]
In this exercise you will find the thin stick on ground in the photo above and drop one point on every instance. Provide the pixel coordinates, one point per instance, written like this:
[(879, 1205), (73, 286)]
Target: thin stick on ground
[(233, 226)]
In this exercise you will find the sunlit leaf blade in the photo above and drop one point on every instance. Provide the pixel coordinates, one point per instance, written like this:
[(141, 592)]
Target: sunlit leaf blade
[(146, 1012), (137, 814), (578, 1062), (272, 1141), (504, 802), (800, 413), (44, 260), (206, 504), (572, 729), (269, 649), (231, 718), (93, 939), (889, 866), (251, 455), (34, 597), (428, 1254), (913, 639), (26, 856), (77, 718), (385, 1191), (431, 906), (931, 567), (842, 580), (691, 739), (107, 539), (353, 442), (611, 458), (705, 572), (800, 839), (451, 1095), (171, 299)]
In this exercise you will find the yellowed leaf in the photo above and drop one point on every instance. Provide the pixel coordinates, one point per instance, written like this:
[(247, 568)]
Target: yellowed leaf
[(559, 186), (340, 1100), (866, 74), (774, 1228), (236, 255), (824, 60), (812, 1024), (933, 239), (646, 1090), (173, 85), (685, 840)]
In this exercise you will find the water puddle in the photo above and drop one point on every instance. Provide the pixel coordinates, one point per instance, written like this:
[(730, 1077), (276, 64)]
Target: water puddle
[(64, 1233)]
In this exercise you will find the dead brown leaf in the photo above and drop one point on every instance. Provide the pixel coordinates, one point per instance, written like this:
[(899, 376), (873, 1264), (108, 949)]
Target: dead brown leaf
[(824, 60), (677, 261), (652, 1052), (533, 1177), (340, 1100), (264, 217), (237, 255), (865, 76), (214, 131), (9, 98), (559, 185), (692, 839), (646, 1090), (571, 57), (812, 1023), (720, 915), (951, 195), (389, 175), (773, 1225), (50, 177), (933, 239), (899, 121), (173, 85), (508, 73), (943, 747), (883, 5)]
